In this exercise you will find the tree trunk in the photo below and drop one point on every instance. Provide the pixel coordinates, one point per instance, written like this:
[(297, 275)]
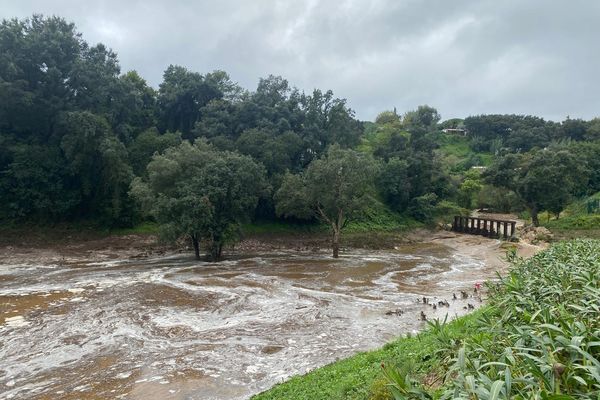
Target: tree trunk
[(196, 247), (216, 248), (336, 243), (534, 217)]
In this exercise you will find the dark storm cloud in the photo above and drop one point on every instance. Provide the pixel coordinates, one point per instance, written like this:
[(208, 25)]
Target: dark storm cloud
[(463, 57)]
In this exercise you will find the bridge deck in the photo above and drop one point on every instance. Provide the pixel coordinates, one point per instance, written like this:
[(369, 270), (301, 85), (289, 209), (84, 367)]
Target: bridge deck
[(484, 226)]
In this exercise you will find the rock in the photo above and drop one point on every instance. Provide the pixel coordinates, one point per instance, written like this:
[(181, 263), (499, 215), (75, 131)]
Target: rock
[(534, 235)]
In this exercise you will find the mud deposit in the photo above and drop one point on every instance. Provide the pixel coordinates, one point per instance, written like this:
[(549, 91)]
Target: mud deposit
[(173, 328)]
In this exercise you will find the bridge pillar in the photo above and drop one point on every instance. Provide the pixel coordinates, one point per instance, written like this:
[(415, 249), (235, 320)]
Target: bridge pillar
[(481, 226)]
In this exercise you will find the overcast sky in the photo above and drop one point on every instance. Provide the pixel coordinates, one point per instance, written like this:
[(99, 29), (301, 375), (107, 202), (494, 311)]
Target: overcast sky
[(462, 57)]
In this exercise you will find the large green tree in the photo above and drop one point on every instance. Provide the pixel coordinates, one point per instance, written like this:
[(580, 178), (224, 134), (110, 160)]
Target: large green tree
[(334, 188), (544, 180), (65, 114), (199, 192)]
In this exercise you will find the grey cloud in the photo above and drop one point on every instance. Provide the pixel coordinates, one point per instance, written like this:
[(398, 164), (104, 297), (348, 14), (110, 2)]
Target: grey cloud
[(463, 57)]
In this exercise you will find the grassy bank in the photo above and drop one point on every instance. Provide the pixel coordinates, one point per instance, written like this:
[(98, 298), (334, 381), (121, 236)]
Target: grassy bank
[(539, 338), (575, 221), (377, 228)]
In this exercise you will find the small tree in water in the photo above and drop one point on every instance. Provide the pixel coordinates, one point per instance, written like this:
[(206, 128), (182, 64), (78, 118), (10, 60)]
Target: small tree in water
[(197, 191), (334, 188)]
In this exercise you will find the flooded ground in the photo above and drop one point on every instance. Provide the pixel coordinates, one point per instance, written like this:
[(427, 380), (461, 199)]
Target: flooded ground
[(174, 328)]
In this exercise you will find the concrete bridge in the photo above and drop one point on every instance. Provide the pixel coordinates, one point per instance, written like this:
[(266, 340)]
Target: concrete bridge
[(484, 226)]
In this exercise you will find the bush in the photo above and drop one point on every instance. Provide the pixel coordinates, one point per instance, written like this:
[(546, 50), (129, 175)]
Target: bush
[(422, 208), (497, 199), (446, 210), (544, 337)]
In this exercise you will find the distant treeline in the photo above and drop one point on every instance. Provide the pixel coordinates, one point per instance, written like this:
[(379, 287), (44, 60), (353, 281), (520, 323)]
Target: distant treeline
[(522, 132), (75, 132)]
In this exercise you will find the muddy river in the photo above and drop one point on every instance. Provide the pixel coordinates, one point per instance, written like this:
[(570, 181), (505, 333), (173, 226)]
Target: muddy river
[(175, 328)]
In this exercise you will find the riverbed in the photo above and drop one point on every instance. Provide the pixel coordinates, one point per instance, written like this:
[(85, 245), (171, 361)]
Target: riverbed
[(172, 327)]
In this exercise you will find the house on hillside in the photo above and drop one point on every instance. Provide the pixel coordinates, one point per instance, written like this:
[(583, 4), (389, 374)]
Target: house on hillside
[(456, 131)]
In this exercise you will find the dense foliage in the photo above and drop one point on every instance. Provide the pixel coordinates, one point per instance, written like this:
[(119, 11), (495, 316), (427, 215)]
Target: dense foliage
[(75, 133), (542, 340), (544, 180), (202, 193), (334, 188)]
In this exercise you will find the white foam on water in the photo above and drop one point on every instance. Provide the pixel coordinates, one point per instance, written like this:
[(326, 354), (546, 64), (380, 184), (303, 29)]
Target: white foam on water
[(124, 375), (301, 304), (386, 282), (17, 321)]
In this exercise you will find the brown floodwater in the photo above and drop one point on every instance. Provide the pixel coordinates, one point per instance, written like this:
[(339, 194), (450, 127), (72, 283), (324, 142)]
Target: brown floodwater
[(176, 328)]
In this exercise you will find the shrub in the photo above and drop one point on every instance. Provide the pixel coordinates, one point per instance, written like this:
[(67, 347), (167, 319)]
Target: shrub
[(544, 338)]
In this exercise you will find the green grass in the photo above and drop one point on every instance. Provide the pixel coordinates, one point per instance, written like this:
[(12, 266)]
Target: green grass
[(455, 145), (379, 218), (538, 338), (145, 228), (486, 159), (574, 221), (458, 154), (279, 227)]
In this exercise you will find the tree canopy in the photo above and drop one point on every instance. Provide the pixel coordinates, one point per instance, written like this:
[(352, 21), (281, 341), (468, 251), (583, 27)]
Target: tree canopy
[(200, 192), (82, 141), (546, 179), (334, 188)]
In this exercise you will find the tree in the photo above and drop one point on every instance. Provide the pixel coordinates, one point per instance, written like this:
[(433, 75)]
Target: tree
[(469, 187), (593, 130), (146, 144), (574, 128), (182, 94), (334, 188), (277, 153), (545, 179), (424, 117), (197, 191), (60, 103), (483, 129), (36, 184), (38, 58), (134, 108), (587, 153), (394, 184), (387, 117), (98, 164)]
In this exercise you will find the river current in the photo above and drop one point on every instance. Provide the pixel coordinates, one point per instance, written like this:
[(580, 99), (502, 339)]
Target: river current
[(176, 328)]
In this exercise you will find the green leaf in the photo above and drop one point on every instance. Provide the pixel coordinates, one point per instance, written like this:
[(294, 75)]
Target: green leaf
[(495, 390)]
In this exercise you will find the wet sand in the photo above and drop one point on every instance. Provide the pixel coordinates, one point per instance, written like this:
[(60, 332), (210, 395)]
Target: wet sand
[(169, 327)]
